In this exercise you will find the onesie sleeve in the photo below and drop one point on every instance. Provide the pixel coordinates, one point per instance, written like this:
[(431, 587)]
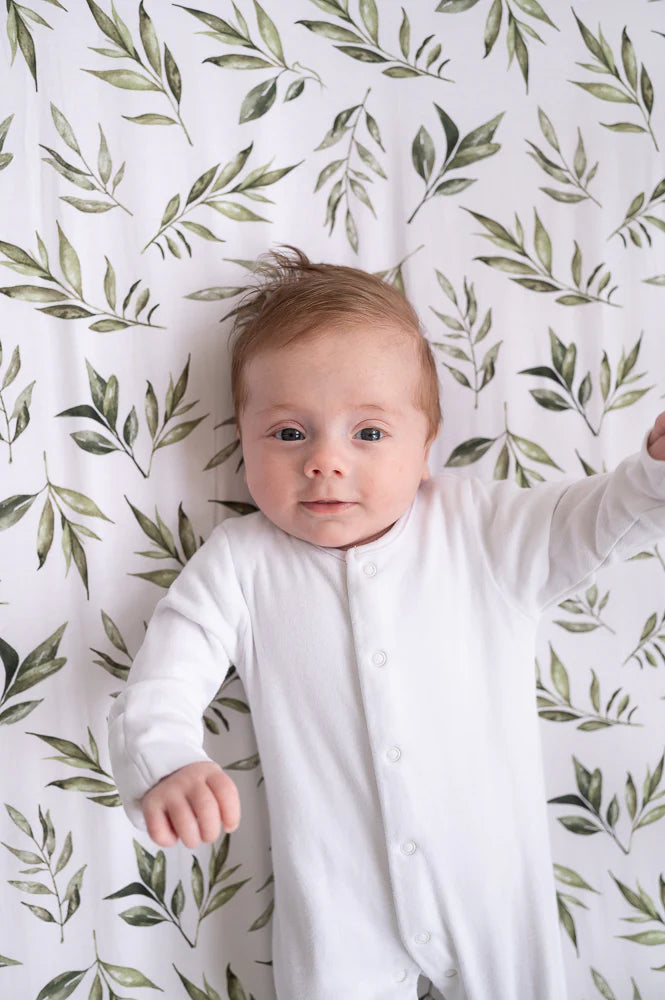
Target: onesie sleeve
[(543, 542), (195, 633)]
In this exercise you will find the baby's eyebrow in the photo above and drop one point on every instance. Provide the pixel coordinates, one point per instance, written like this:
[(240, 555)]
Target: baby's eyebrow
[(292, 406)]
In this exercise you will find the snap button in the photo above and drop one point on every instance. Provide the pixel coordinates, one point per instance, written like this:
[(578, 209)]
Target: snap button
[(369, 569), (394, 753), (422, 937), (379, 658), (450, 973), (408, 847), (400, 975)]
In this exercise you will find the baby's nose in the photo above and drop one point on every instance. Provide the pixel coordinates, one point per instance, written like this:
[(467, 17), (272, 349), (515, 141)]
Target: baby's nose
[(325, 459)]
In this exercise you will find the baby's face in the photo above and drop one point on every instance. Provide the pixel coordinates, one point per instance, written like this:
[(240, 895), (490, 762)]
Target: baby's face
[(334, 447)]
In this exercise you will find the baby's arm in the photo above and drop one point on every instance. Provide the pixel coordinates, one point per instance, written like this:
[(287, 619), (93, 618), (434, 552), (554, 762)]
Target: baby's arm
[(191, 805), (541, 543), (156, 723)]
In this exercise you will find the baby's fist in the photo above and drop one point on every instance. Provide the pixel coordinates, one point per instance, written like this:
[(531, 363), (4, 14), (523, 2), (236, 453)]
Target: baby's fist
[(190, 805), (656, 440)]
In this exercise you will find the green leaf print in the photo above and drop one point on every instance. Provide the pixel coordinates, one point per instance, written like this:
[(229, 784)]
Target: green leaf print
[(46, 864), (476, 145), (18, 32), (212, 189), (261, 98), (21, 675), (363, 34), (85, 178), (104, 395), (576, 178), (590, 785), (152, 75), (625, 88), (517, 33), (71, 287), (350, 181), (5, 158), (535, 269), (554, 704), (637, 219), (152, 870), (20, 412), (461, 328), (567, 397)]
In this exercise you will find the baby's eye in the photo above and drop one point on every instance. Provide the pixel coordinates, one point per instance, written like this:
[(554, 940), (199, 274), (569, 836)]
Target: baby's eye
[(288, 434), (371, 433)]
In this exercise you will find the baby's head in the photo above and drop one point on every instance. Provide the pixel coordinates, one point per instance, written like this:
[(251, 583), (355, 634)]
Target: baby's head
[(336, 399)]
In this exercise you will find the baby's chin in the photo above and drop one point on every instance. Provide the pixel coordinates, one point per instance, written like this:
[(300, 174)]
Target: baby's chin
[(331, 533)]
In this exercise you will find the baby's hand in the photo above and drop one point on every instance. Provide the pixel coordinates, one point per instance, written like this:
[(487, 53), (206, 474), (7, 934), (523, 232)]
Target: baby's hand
[(656, 441), (191, 805)]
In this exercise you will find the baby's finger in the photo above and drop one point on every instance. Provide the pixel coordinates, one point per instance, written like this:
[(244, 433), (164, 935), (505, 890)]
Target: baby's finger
[(158, 824), (227, 796), (184, 822), (207, 813)]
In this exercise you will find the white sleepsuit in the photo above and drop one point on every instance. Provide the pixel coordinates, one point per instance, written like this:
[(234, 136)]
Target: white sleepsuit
[(393, 698)]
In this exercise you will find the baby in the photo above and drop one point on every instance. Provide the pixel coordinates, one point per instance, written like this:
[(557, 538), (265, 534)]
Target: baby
[(383, 625)]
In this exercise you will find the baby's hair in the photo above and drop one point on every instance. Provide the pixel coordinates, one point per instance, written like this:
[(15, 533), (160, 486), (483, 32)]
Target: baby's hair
[(294, 297)]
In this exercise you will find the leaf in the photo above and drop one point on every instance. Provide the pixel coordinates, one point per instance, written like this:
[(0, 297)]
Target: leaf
[(173, 77), (64, 129), (80, 503), (13, 508), (148, 119), (45, 532), (492, 25), (125, 79), (542, 244), (94, 443), (149, 40), (604, 91), (470, 451), (405, 35), (269, 32), (170, 211), (70, 263), (370, 18), (548, 130), (178, 432), (84, 205), (258, 101), (647, 89)]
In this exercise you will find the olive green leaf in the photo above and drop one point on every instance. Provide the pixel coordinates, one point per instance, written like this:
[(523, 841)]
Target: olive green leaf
[(518, 31), (588, 607), (562, 373), (212, 189), (349, 179), (476, 145), (535, 270), (165, 545), (103, 792), (18, 32), (570, 878), (577, 178), (64, 984), (85, 178), (71, 288), (152, 870), (360, 38), (104, 394), (637, 218), (632, 87), (460, 327), (512, 452), (554, 703), (13, 508), (261, 98), (657, 279), (5, 158), (648, 911), (590, 784), (153, 74), (233, 987), (44, 862), (651, 644), (20, 414), (20, 675)]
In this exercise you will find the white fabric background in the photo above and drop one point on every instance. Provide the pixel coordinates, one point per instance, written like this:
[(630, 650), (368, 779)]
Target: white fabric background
[(442, 236)]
